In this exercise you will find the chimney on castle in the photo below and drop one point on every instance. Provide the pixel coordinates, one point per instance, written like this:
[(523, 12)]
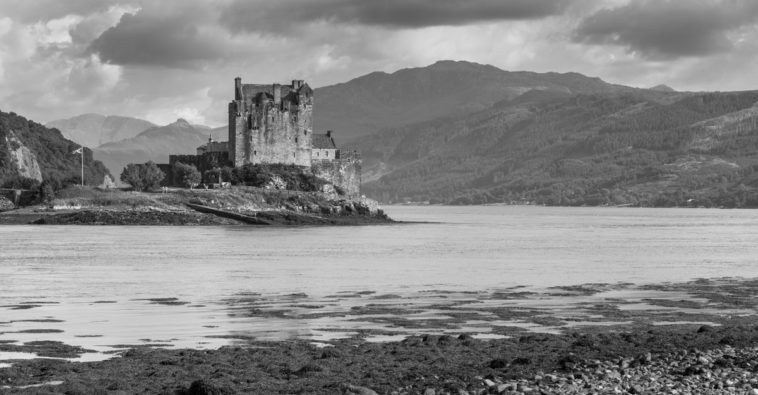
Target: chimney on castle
[(238, 88), (329, 133), (297, 84)]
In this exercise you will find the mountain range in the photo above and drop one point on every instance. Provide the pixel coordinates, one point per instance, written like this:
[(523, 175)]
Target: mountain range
[(92, 130), (461, 133), (155, 144), (450, 89), (623, 149)]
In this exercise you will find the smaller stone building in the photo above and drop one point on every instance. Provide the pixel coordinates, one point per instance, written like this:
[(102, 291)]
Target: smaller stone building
[(323, 147), (213, 146)]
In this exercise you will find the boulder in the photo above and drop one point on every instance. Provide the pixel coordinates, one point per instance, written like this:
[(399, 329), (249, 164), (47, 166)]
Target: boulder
[(6, 204)]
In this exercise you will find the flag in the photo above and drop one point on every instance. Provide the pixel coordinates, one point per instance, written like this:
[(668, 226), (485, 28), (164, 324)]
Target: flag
[(79, 151)]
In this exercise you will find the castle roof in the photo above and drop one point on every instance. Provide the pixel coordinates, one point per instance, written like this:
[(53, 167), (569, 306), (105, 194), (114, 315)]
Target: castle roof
[(323, 141)]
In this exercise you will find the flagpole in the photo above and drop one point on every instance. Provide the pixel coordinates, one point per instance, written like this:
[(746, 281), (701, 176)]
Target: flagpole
[(80, 151)]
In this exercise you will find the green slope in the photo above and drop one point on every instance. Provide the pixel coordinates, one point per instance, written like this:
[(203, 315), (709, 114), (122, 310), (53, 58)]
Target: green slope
[(638, 148)]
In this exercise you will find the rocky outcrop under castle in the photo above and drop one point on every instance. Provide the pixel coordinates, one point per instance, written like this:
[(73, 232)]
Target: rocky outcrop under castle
[(232, 206)]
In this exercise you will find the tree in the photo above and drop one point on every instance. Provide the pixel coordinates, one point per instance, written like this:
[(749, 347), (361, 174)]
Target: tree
[(142, 176), (187, 174)]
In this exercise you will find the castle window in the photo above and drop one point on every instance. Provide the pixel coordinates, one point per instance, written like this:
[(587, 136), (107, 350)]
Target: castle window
[(295, 139), (327, 154), (305, 132), (255, 152)]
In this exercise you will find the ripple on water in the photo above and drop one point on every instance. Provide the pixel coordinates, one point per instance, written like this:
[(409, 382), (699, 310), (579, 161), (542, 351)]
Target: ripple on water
[(24, 387)]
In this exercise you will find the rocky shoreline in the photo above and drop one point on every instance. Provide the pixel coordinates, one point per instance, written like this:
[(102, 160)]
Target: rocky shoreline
[(237, 206), (662, 348), (682, 360)]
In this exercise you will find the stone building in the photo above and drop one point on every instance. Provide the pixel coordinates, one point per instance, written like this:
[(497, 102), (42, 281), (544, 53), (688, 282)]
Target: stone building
[(271, 124), (213, 146), (323, 147)]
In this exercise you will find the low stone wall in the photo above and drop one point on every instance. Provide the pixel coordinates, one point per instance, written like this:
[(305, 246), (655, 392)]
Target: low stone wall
[(343, 173)]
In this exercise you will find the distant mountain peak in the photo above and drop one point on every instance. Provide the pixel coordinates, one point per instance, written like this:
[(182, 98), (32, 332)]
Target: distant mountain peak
[(181, 122), (663, 88)]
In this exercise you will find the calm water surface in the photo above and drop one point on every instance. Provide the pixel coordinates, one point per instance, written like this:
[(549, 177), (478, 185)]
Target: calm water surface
[(67, 272)]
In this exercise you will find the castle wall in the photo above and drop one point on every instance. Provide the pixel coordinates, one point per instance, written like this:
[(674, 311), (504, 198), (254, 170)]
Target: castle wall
[(281, 138), (344, 173), (271, 124), (323, 153), (237, 139)]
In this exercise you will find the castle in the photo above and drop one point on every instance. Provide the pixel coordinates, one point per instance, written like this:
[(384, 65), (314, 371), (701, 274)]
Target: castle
[(271, 124)]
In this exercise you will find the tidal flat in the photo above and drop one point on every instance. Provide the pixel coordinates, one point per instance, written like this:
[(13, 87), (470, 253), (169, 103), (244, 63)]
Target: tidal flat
[(698, 336)]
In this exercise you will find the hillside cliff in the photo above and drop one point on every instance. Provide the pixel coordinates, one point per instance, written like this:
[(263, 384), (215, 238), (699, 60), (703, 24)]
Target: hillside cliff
[(30, 150)]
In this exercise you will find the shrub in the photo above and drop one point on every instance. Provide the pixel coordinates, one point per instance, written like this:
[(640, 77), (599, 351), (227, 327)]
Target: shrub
[(212, 176), (142, 177), (187, 174), (46, 192), (20, 182), (297, 178)]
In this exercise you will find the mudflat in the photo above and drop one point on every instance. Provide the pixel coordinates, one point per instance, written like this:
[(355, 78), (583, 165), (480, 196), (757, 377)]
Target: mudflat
[(706, 342)]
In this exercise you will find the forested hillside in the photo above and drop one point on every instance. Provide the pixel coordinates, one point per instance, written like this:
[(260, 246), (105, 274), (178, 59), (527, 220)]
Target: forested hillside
[(26, 143), (649, 148)]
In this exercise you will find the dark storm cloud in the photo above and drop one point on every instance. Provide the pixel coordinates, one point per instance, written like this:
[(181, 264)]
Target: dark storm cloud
[(670, 28), (282, 16), (179, 37)]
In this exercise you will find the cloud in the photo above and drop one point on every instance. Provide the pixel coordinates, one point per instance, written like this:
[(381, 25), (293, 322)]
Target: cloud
[(27, 11), (164, 59), (94, 24), (285, 16), (164, 36), (666, 29)]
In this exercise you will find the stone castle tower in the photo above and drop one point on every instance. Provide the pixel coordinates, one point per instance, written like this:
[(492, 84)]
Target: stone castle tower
[(271, 123)]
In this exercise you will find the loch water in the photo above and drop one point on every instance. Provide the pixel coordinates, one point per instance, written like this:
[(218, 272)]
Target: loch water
[(105, 286)]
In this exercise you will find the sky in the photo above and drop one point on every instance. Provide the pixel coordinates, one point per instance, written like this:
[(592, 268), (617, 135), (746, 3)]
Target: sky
[(169, 59)]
